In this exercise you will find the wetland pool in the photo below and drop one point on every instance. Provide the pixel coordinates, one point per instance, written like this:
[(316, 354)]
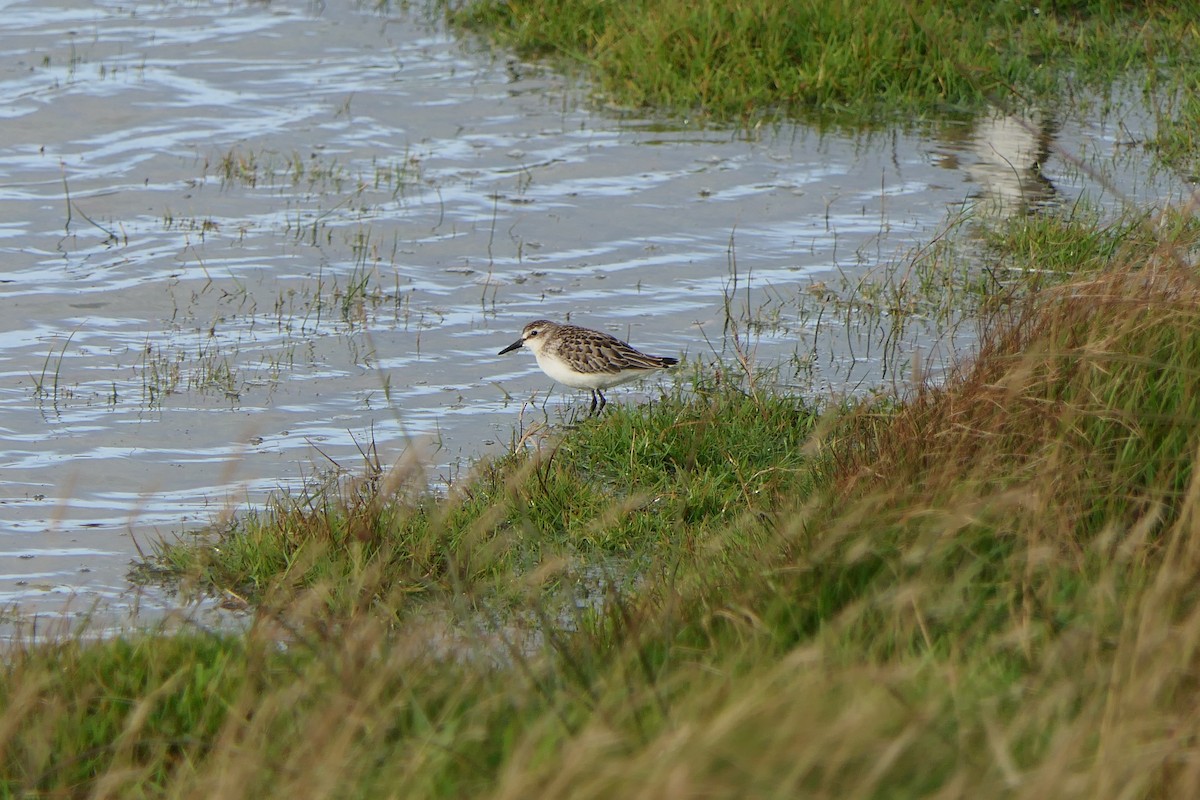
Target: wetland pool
[(244, 242)]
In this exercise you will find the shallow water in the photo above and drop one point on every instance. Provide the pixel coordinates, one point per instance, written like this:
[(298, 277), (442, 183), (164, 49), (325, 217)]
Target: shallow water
[(243, 242)]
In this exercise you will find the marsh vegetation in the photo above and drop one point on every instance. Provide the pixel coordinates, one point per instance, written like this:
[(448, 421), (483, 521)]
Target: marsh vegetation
[(979, 582)]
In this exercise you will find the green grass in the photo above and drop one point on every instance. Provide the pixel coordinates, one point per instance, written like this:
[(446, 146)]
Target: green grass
[(621, 487), (1080, 240), (127, 712), (843, 62)]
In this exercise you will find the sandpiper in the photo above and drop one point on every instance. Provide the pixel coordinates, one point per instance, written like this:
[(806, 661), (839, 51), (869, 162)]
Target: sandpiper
[(585, 359)]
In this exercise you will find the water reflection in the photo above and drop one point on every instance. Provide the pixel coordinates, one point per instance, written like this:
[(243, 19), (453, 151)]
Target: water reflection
[(1003, 156)]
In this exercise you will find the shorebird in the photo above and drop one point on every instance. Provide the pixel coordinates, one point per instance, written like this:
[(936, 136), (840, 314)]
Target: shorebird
[(586, 359)]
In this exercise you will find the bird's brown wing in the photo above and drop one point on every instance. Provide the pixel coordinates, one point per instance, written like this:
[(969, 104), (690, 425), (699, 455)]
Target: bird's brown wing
[(590, 351)]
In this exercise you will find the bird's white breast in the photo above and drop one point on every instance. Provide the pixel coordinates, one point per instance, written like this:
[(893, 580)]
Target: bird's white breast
[(561, 372)]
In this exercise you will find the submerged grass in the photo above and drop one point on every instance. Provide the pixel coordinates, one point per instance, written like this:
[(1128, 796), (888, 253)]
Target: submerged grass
[(849, 61)]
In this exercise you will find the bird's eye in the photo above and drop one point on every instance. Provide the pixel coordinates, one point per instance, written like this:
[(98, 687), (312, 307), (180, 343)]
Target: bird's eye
[(532, 334)]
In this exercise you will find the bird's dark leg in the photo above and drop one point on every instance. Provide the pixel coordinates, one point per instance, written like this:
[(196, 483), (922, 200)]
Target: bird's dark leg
[(593, 411), (603, 401)]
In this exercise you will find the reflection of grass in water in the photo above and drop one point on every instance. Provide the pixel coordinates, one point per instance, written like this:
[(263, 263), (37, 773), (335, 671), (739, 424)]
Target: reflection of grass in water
[(50, 386), (242, 168), (161, 374), (207, 367), (251, 169), (167, 371), (162, 371), (211, 358)]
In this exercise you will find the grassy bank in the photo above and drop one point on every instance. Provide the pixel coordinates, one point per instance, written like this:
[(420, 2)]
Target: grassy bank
[(989, 589), (620, 490), (843, 61)]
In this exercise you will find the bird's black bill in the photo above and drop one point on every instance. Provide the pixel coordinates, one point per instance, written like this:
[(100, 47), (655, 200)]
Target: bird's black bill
[(512, 347)]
